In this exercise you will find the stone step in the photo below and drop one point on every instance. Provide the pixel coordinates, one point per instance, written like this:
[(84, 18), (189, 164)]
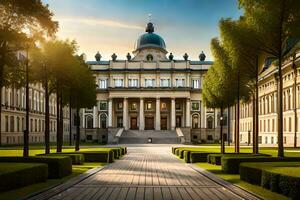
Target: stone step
[(141, 140)]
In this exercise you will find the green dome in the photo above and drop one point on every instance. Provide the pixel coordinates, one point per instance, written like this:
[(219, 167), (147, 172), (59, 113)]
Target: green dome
[(150, 39)]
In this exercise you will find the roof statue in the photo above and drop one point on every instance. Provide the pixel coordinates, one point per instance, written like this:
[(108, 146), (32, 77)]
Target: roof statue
[(202, 56), (98, 56)]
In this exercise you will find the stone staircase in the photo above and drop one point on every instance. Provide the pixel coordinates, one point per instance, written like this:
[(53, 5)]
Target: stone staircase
[(141, 137)]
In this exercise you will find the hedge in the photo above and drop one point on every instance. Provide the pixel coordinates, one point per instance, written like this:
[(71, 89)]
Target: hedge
[(215, 158), (96, 156), (16, 175), (187, 156), (173, 149), (199, 156), (230, 164), (77, 158), (265, 175), (58, 166)]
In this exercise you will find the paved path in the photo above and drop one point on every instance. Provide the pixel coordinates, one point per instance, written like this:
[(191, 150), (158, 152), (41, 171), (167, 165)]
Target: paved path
[(147, 173)]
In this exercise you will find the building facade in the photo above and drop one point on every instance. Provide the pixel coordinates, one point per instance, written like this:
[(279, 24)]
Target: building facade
[(268, 104), (151, 91), (13, 104)]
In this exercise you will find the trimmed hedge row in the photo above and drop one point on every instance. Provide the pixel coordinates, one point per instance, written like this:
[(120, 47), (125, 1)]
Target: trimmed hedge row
[(77, 158), (215, 158), (97, 156), (58, 166), (199, 156), (231, 164), (16, 175), (263, 174)]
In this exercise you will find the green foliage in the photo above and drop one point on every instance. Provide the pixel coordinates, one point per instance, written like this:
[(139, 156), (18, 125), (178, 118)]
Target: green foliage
[(187, 156), (97, 156), (198, 156), (280, 177), (58, 167), (77, 159), (15, 175)]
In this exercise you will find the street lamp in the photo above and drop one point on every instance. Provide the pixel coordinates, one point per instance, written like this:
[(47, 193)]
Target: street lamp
[(26, 131)]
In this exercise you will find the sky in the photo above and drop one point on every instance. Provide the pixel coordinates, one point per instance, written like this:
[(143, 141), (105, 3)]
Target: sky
[(113, 26)]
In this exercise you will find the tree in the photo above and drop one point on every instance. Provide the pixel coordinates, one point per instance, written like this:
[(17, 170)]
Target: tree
[(274, 22), (82, 91), (236, 37), (218, 83), (51, 65), (22, 22)]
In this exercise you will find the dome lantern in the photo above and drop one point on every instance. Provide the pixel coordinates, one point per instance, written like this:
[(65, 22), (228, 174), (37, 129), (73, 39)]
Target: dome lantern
[(114, 57), (185, 56), (128, 56), (171, 56)]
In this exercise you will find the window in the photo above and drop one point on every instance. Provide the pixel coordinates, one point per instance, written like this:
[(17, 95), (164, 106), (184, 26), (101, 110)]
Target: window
[(12, 124), (195, 121), (196, 105), (284, 139), (163, 106), (103, 121), (103, 105), (165, 82), (120, 106), (133, 83), (133, 106), (196, 83), (149, 105), (266, 140), (103, 83), (178, 106), (149, 57), (210, 122), (209, 137), (272, 140), (118, 82), (149, 82), (179, 82), (119, 122), (259, 139)]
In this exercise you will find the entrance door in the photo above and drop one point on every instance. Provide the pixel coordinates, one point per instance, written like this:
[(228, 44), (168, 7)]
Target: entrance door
[(133, 123), (149, 123), (178, 121), (163, 123)]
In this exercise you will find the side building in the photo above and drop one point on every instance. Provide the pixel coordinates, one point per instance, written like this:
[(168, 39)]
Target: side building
[(268, 96)]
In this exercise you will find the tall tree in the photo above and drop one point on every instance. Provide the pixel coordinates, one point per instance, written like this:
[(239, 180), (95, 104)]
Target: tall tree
[(218, 84), (22, 22), (274, 22), (237, 38)]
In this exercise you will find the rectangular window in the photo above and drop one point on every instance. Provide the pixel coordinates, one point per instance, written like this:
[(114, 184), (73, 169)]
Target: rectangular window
[(103, 83), (133, 106), (119, 82), (149, 105), (180, 82), (163, 106), (119, 122), (290, 124), (120, 106), (103, 105), (196, 105), (259, 139), (178, 106), (149, 82), (196, 84), (266, 140), (133, 83), (164, 82)]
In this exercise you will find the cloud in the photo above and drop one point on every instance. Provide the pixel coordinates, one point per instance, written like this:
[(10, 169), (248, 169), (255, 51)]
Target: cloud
[(104, 22)]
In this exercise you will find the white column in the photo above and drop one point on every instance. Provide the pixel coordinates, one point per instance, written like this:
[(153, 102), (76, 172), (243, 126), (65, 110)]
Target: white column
[(83, 118), (173, 114), (125, 113), (142, 118), (157, 114), (188, 113), (275, 102), (110, 114), (95, 117)]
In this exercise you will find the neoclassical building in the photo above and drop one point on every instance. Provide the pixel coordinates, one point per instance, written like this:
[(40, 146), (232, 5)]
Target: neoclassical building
[(268, 103), (151, 91)]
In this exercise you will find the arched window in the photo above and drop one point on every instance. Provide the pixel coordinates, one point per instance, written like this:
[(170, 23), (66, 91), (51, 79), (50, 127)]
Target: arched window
[(210, 122), (195, 121), (103, 121), (149, 57), (89, 121)]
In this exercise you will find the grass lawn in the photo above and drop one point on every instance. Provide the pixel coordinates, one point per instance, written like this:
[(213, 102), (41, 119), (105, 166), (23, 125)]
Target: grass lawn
[(24, 191), (235, 179)]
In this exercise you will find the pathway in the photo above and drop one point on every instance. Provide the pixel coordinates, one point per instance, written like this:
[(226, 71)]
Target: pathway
[(150, 173)]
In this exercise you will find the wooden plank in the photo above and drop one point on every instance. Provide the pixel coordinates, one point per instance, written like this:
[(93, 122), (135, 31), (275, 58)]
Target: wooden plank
[(140, 193)]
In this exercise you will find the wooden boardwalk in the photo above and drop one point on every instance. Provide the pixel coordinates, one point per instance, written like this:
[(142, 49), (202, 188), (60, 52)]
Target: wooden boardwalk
[(150, 174)]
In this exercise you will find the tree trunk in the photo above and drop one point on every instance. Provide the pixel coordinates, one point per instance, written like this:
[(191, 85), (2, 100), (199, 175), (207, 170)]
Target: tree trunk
[(61, 121), (58, 149), (253, 124), (256, 111), (221, 133), (280, 111), (2, 57), (0, 113), (70, 120), (47, 120), (77, 129), (26, 132), (237, 121)]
